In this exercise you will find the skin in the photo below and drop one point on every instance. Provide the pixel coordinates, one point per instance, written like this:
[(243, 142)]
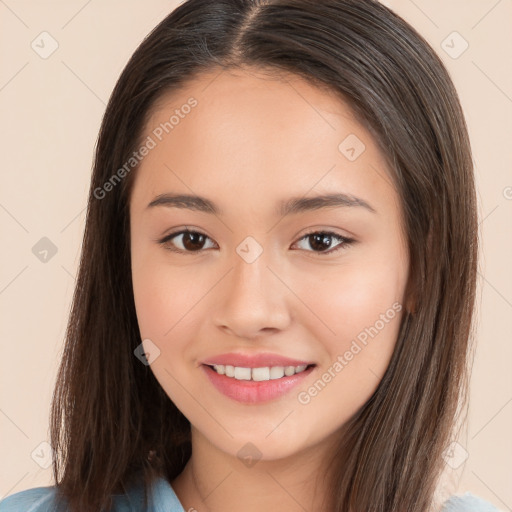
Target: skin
[(269, 138)]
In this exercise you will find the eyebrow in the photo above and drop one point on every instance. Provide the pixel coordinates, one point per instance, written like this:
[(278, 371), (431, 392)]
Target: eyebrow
[(290, 206)]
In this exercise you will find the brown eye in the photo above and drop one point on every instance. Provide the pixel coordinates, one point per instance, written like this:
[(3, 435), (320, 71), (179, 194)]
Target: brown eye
[(321, 241), (191, 241)]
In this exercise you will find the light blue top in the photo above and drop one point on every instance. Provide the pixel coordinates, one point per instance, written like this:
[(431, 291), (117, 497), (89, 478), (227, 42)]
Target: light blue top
[(163, 499)]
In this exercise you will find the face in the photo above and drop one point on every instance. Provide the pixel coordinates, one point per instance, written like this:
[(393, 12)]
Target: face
[(259, 273)]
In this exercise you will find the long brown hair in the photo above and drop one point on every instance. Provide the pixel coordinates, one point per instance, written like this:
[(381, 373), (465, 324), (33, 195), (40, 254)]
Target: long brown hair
[(111, 422)]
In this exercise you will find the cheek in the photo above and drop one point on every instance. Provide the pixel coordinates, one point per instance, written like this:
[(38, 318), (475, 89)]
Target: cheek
[(355, 312), (357, 319), (349, 298), (161, 298), (168, 302)]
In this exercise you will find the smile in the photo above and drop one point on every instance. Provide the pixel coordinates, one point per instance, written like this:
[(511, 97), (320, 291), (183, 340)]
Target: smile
[(258, 374), (256, 385)]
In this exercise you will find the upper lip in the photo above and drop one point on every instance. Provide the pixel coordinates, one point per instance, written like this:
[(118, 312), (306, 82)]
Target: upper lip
[(261, 360)]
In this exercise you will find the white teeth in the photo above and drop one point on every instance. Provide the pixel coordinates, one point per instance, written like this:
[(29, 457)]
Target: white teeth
[(289, 370), (258, 374), (276, 372), (242, 373)]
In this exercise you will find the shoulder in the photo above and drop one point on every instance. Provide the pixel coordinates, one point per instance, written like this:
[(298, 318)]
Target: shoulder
[(38, 499), (466, 503), (45, 499)]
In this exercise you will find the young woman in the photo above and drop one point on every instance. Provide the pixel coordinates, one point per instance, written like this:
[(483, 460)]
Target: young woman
[(275, 297)]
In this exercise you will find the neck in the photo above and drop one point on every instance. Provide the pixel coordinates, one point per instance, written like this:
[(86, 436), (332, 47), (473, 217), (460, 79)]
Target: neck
[(215, 481)]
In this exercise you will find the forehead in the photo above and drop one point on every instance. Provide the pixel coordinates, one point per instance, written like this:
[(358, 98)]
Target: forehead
[(251, 96), (258, 133)]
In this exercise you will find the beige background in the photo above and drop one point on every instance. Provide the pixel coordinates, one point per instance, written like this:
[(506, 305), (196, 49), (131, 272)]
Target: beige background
[(51, 112)]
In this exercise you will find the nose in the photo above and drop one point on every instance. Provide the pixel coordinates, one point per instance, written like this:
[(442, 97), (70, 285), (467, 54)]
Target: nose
[(252, 299)]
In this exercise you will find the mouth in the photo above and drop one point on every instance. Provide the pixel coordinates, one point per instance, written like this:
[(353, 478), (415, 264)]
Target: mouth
[(256, 385), (261, 374)]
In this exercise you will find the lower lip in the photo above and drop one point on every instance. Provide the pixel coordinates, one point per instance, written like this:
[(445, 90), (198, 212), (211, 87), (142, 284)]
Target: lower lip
[(254, 392)]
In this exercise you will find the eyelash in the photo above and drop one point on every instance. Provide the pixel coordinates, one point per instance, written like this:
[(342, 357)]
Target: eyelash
[(345, 241)]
